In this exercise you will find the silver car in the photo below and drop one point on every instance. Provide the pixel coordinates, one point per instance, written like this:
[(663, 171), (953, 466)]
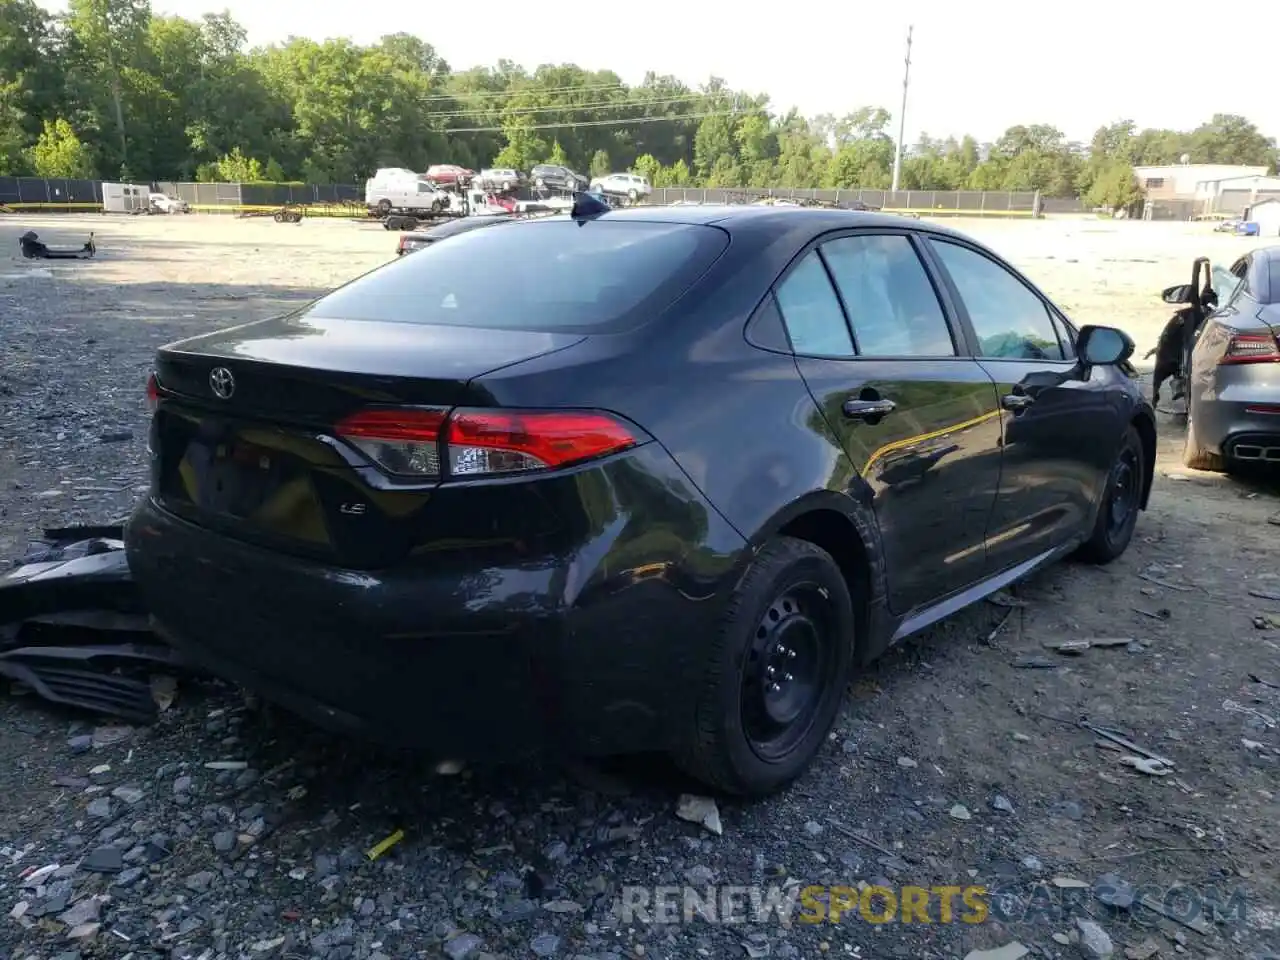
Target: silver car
[(1233, 395)]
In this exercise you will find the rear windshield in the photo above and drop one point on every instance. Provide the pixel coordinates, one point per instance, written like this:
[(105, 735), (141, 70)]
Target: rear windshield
[(549, 275)]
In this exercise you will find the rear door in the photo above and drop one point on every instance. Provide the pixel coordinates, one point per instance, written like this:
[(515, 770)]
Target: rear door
[(916, 416), (1058, 427)]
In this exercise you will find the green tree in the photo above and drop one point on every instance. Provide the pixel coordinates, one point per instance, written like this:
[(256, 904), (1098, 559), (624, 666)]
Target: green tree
[(1114, 187), (600, 165), (235, 167), (59, 153), (109, 38)]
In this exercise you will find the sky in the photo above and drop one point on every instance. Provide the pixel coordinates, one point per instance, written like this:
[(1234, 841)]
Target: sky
[(976, 67)]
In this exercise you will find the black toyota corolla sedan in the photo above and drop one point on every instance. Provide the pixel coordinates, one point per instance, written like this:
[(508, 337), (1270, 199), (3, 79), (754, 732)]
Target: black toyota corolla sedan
[(666, 481)]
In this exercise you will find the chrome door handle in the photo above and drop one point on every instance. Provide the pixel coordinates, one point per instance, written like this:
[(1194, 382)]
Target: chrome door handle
[(865, 409), (1016, 401)]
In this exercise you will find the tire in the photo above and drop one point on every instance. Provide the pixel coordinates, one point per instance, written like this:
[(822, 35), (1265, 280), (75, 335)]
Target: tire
[(384, 207), (793, 592), (1118, 512), (1196, 456), (633, 196), (278, 217)]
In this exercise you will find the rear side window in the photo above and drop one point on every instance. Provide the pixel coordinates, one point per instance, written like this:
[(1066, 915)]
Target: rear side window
[(891, 302), (812, 312), (549, 275), (1011, 321)]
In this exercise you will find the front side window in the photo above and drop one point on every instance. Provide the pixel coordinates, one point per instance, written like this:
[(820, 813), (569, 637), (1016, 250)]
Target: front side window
[(892, 305), (1010, 320), (811, 311)]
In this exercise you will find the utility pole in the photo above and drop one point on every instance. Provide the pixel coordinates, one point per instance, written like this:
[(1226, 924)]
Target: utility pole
[(902, 115)]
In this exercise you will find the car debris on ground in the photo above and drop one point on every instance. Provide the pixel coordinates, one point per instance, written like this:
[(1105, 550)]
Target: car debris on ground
[(73, 630), (33, 248)]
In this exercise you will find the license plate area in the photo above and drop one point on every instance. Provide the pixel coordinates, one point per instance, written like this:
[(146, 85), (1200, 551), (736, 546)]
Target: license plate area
[(229, 473)]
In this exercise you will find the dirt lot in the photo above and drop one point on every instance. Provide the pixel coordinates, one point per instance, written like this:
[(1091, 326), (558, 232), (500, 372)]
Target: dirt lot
[(956, 757)]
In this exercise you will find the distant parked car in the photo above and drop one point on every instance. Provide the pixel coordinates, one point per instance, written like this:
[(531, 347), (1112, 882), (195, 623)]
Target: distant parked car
[(449, 175), (550, 176), (417, 239), (498, 178), (633, 480), (162, 203), (629, 185)]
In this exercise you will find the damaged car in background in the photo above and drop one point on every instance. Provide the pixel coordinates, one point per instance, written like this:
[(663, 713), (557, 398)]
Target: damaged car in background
[(667, 486), (1224, 344)]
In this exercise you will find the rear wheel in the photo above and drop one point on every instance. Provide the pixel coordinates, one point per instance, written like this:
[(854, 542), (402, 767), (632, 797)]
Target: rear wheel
[(777, 672), (1121, 502)]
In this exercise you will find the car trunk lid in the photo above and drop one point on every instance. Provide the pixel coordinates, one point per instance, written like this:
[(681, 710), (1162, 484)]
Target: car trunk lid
[(244, 437)]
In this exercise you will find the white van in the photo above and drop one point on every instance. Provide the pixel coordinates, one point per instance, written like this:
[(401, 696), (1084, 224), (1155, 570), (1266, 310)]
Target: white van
[(395, 189)]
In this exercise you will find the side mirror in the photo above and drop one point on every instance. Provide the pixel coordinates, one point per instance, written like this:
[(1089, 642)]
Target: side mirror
[(1103, 346), (1180, 293)]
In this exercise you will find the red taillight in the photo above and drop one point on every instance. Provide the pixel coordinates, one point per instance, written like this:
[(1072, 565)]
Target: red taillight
[(405, 442), (153, 392), (480, 442), (1251, 348), (505, 441)]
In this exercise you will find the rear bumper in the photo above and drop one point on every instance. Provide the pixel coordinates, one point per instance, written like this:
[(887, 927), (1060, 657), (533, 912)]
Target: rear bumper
[(1240, 429), (589, 653)]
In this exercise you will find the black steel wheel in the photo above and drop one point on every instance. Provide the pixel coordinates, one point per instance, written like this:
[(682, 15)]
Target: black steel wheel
[(1121, 502), (776, 672), (787, 670), (1125, 489)]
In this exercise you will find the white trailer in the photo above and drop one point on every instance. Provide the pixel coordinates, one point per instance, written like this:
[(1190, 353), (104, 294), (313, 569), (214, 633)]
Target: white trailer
[(125, 198)]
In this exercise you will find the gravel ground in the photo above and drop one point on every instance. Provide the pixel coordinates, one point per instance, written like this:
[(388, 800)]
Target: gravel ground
[(956, 762)]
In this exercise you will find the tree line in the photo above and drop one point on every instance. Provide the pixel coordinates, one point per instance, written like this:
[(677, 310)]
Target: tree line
[(109, 89)]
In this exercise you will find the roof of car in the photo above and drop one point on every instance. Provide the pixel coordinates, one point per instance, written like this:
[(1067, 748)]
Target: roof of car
[(730, 215)]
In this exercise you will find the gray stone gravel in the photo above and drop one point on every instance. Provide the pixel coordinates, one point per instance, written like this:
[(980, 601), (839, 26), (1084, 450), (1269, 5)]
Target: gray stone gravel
[(156, 855)]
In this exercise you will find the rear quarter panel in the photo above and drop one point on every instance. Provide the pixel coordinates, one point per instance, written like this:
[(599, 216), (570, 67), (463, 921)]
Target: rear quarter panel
[(737, 419)]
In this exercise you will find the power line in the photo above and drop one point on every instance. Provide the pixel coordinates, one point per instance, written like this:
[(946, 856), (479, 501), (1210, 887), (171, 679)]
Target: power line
[(598, 123), (481, 94), (561, 108)]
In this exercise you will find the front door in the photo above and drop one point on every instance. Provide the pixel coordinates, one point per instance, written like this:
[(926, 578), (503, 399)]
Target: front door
[(1053, 467), (917, 421)]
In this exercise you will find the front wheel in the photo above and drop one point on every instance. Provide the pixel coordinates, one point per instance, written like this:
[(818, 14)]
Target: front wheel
[(1121, 503), (776, 673)]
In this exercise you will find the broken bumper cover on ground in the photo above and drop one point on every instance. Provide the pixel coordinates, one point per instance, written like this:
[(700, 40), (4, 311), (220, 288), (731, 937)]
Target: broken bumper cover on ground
[(478, 663), (72, 628)]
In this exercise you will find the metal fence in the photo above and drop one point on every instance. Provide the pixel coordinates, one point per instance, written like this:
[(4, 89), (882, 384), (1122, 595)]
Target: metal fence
[(38, 193), (235, 197), (931, 202), (33, 193)]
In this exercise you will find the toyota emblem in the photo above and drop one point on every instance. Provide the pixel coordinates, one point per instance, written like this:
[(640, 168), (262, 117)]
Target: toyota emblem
[(222, 383)]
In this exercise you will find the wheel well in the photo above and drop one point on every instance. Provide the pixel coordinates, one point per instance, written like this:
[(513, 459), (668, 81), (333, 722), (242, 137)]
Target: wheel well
[(836, 534), (1147, 433)]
